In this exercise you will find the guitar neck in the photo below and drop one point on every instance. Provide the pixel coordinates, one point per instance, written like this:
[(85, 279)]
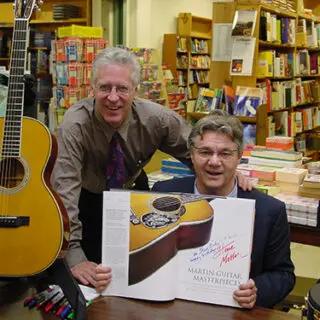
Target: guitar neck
[(14, 111), (189, 197)]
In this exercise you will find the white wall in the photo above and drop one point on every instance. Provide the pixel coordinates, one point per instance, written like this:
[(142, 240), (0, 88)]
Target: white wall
[(148, 20)]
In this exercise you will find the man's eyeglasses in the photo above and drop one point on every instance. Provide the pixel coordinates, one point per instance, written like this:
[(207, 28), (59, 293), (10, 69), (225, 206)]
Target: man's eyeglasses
[(223, 155), (120, 90)]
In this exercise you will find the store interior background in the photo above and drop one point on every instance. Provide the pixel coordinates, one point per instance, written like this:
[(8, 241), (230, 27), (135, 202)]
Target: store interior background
[(143, 24)]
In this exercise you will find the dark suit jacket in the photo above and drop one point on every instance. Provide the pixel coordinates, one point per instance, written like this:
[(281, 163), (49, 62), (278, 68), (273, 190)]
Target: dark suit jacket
[(271, 265)]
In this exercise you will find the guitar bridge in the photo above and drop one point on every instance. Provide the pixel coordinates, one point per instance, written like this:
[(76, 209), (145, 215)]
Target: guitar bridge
[(14, 222)]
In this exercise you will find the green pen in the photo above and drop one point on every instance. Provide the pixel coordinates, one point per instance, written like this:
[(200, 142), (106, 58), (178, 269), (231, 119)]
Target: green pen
[(71, 315), (89, 303)]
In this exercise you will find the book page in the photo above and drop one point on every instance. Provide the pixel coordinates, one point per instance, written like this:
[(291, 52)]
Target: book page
[(140, 254), (212, 272), (166, 246)]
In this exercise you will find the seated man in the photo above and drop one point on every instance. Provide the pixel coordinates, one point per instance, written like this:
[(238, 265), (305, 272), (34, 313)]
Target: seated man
[(215, 144)]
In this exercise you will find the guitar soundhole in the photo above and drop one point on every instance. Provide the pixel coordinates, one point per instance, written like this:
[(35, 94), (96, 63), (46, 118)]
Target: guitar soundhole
[(167, 204), (11, 173)]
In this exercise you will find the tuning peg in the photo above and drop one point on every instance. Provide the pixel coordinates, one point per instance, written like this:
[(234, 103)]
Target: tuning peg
[(40, 2)]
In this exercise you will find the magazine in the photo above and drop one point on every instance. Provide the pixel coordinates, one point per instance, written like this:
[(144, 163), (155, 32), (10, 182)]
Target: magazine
[(242, 56), (244, 23), (208, 99), (247, 101), (166, 246)]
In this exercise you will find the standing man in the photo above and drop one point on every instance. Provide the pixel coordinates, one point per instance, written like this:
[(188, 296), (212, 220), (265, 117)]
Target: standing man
[(104, 142), (216, 146)]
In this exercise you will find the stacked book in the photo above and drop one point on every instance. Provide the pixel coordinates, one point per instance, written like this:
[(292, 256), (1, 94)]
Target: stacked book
[(289, 179), (275, 158), (262, 178), (174, 166), (280, 143), (65, 11), (314, 167), (301, 210), (310, 186)]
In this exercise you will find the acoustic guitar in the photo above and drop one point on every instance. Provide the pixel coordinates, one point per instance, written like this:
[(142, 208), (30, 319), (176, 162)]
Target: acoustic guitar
[(163, 224), (33, 222)]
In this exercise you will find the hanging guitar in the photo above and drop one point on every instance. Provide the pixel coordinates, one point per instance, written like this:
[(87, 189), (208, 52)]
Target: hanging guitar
[(33, 222)]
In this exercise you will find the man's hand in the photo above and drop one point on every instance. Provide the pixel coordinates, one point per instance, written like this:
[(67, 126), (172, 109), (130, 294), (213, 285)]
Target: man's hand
[(246, 295), (244, 183), (89, 273)]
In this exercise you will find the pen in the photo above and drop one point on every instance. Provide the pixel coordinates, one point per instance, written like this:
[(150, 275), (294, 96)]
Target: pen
[(48, 297), (55, 299), (62, 307), (57, 306), (65, 311)]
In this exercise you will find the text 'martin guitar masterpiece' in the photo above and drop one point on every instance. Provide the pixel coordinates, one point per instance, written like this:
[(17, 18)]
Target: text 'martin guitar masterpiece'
[(163, 224), (33, 222)]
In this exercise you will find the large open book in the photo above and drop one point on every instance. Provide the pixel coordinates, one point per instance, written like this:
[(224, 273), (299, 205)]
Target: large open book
[(167, 246)]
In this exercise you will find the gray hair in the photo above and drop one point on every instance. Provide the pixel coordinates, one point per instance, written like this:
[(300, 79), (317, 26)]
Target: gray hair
[(116, 56), (218, 121)]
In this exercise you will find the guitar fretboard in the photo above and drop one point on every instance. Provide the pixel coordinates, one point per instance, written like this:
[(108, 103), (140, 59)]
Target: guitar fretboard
[(14, 112)]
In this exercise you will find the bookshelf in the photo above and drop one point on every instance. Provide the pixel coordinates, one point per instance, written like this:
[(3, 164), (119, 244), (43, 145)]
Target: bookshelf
[(188, 52), (259, 120), (43, 26), (286, 65)]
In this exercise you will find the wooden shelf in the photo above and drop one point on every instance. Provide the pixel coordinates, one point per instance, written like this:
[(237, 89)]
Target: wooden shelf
[(62, 21), (4, 59), (201, 53), (309, 130), (275, 78), (200, 35), (268, 44), (278, 11), (38, 48), (308, 17), (308, 48)]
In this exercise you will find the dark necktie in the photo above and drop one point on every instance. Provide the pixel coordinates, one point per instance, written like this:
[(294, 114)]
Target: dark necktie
[(115, 166)]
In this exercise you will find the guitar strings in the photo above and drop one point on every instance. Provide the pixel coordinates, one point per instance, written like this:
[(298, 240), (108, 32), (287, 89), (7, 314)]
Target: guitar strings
[(13, 118)]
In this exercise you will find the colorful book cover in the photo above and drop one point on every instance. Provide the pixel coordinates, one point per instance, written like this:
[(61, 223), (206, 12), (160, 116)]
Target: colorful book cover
[(228, 96), (247, 101), (249, 134), (244, 23), (208, 99)]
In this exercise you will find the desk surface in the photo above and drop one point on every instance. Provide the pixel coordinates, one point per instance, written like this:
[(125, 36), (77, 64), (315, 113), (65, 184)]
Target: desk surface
[(114, 308), (305, 235)]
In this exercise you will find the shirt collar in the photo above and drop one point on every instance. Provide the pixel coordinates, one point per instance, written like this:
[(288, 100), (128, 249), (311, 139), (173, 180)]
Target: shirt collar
[(232, 194)]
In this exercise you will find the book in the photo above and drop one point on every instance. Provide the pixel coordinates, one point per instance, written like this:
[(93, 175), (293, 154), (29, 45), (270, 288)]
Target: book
[(247, 101), (244, 23), (312, 181), (208, 99), (166, 246), (249, 134), (291, 175)]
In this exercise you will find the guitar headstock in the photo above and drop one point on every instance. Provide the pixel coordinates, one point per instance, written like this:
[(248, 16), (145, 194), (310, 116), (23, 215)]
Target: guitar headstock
[(24, 8)]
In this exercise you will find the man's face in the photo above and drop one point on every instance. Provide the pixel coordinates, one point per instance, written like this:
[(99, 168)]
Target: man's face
[(114, 93), (215, 159)]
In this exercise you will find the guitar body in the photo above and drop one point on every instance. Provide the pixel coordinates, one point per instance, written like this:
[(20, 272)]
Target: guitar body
[(33, 246), (166, 224)]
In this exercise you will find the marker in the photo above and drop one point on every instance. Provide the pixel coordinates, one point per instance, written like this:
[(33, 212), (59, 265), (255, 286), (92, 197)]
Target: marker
[(62, 307), (66, 311), (55, 299)]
